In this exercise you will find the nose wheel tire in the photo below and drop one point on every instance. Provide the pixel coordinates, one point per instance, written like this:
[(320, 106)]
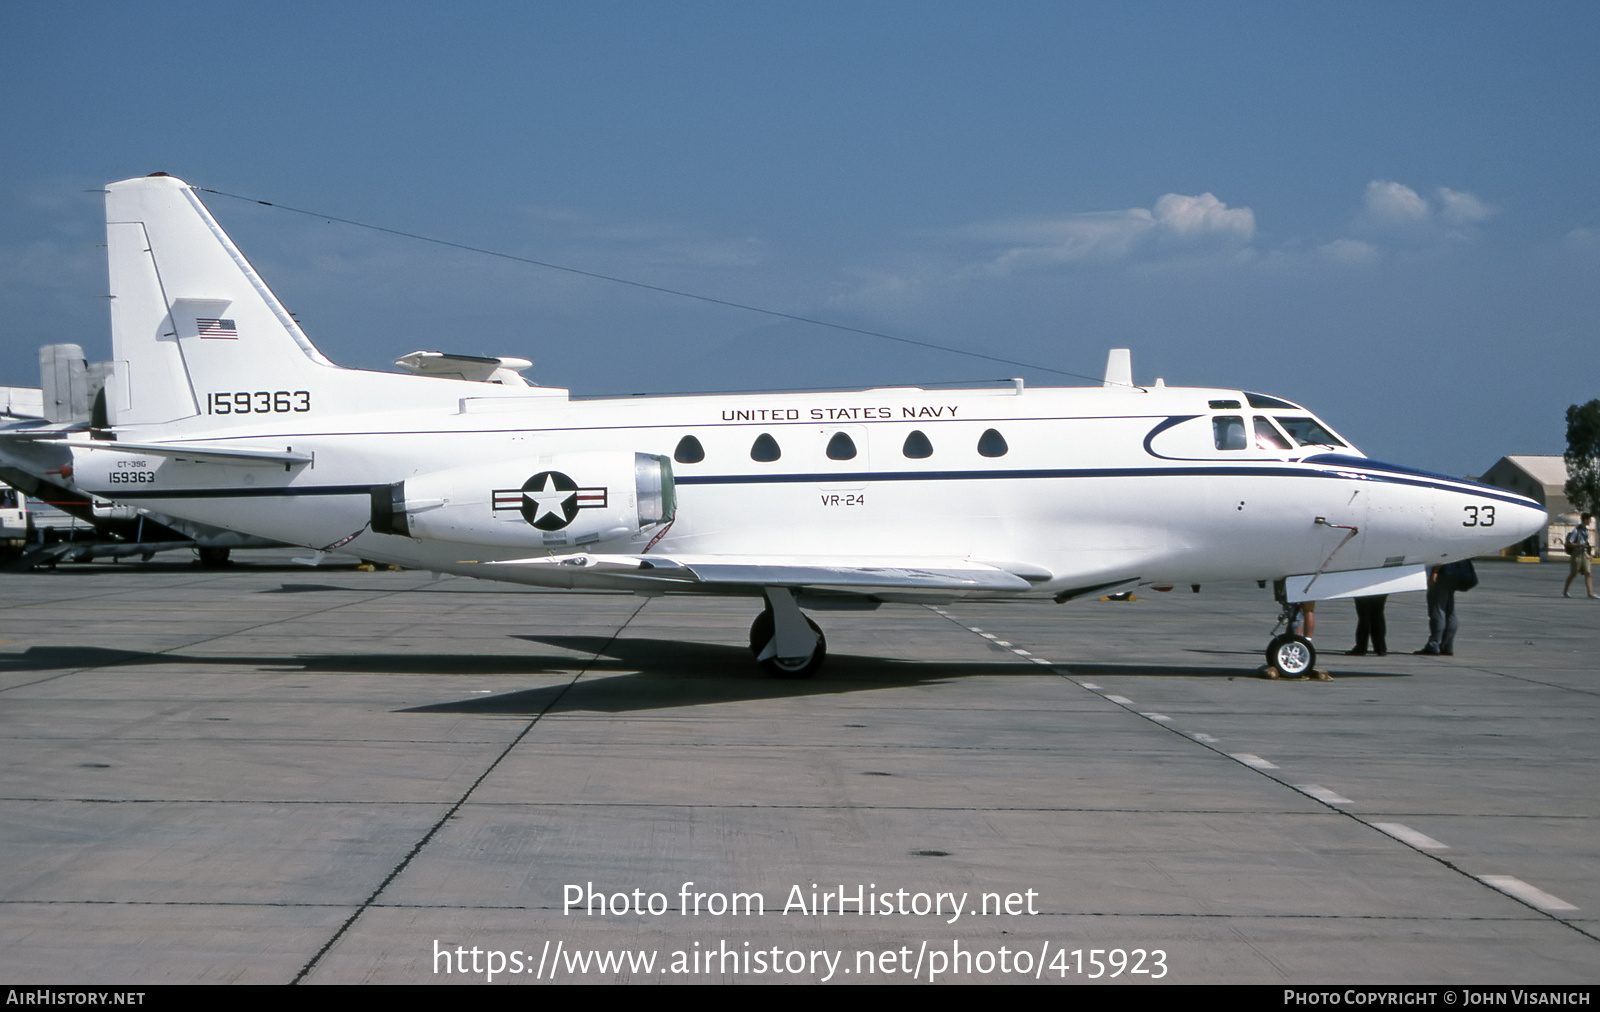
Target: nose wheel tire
[(761, 633), (1291, 655)]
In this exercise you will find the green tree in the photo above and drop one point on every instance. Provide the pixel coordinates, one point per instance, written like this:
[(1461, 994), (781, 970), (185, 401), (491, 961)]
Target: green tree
[(1583, 457)]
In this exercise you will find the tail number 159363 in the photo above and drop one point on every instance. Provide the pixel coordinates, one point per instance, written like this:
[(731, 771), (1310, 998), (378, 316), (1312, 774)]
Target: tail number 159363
[(259, 402)]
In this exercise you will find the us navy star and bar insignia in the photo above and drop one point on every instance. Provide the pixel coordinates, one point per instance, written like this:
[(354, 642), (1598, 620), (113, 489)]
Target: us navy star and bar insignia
[(549, 500)]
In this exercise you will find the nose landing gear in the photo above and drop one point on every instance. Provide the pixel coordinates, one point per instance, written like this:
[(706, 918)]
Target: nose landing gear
[(1291, 655)]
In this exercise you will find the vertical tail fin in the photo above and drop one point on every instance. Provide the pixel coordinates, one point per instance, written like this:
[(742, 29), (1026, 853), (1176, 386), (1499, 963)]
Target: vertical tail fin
[(196, 334), (72, 387), (64, 380), (190, 318)]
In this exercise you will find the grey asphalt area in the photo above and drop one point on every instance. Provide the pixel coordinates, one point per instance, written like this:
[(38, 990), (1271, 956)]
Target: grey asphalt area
[(270, 773)]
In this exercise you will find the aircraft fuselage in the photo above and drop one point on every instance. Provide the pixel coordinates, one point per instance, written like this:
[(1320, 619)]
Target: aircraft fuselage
[(1067, 487)]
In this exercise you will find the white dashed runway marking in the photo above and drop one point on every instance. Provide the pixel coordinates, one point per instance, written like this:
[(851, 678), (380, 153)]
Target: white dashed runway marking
[(1254, 760), (1532, 895), (1321, 793), (1405, 834)]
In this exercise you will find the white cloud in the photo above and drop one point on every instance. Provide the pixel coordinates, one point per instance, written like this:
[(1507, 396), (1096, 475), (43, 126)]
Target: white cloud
[(1108, 235), (1395, 203), (1458, 207), (1350, 251), (1179, 235), (1204, 215), (1176, 220), (1395, 208)]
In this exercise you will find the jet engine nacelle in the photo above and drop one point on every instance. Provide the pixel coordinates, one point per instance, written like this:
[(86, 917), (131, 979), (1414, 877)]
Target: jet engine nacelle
[(560, 500)]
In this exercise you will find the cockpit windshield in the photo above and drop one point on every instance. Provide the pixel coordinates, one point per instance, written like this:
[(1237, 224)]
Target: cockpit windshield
[(1268, 438), (1308, 431)]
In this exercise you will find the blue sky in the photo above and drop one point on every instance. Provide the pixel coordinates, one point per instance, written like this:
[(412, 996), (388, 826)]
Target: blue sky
[(1388, 212)]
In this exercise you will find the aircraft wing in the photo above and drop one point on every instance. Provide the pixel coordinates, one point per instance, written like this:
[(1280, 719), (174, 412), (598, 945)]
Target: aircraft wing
[(861, 575)]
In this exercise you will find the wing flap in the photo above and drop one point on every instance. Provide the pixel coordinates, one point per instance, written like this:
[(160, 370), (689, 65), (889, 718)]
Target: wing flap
[(858, 575)]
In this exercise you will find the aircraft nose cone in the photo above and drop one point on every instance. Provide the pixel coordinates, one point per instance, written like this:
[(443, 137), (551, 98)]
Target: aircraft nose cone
[(1434, 518), (1487, 527), (1522, 521)]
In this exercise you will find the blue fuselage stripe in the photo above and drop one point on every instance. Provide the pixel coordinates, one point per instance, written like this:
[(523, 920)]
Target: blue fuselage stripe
[(1353, 469), (245, 492)]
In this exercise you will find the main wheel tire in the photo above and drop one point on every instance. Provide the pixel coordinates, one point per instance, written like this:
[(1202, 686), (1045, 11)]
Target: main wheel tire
[(1291, 655), (761, 632)]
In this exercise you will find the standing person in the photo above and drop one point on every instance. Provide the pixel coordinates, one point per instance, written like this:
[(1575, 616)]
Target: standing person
[(1370, 623), (1441, 614), (1308, 619), (1579, 549), (1443, 582)]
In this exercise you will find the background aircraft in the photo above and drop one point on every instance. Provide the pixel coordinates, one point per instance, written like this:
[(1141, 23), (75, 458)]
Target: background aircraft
[(70, 398)]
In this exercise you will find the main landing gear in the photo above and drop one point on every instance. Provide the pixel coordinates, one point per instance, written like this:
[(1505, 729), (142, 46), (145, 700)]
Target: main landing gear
[(211, 557), (784, 640)]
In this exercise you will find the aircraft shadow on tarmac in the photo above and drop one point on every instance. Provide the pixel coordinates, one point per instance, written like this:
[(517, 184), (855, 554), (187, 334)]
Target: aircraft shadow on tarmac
[(47, 658), (661, 674), (634, 673)]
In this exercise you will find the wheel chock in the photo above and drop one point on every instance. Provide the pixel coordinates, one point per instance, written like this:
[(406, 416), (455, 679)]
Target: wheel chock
[(1314, 675)]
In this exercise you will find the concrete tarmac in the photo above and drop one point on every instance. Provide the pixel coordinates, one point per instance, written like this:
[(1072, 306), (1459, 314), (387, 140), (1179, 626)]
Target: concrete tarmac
[(270, 773)]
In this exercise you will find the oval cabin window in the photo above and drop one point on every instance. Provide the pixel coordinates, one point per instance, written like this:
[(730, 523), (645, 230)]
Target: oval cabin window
[(689, 451), (917, 445), (841, 447), (765, 449), (992, 444)]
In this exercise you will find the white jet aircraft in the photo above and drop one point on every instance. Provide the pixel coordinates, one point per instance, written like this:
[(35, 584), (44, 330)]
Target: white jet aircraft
[(223, 412)]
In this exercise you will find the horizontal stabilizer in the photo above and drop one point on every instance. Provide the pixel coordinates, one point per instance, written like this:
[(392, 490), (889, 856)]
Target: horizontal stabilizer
[(200, 454), (21, 402)]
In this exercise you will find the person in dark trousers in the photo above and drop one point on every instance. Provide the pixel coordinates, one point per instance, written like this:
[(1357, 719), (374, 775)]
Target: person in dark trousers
[(1443, 582), (1370, 624)]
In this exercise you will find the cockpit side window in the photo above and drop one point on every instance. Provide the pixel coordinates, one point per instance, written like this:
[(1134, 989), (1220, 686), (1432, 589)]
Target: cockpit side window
[(1268, 437), (1309, 432), (1228, 432)]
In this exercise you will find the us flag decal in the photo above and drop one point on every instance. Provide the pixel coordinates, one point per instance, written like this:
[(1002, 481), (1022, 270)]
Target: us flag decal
[(218, 329)]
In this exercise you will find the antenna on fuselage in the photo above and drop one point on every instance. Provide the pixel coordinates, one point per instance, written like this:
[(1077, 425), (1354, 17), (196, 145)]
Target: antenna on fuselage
[(1119, 368)]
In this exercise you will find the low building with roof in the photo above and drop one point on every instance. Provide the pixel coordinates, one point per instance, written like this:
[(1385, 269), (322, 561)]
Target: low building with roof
[(1543, 479)]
